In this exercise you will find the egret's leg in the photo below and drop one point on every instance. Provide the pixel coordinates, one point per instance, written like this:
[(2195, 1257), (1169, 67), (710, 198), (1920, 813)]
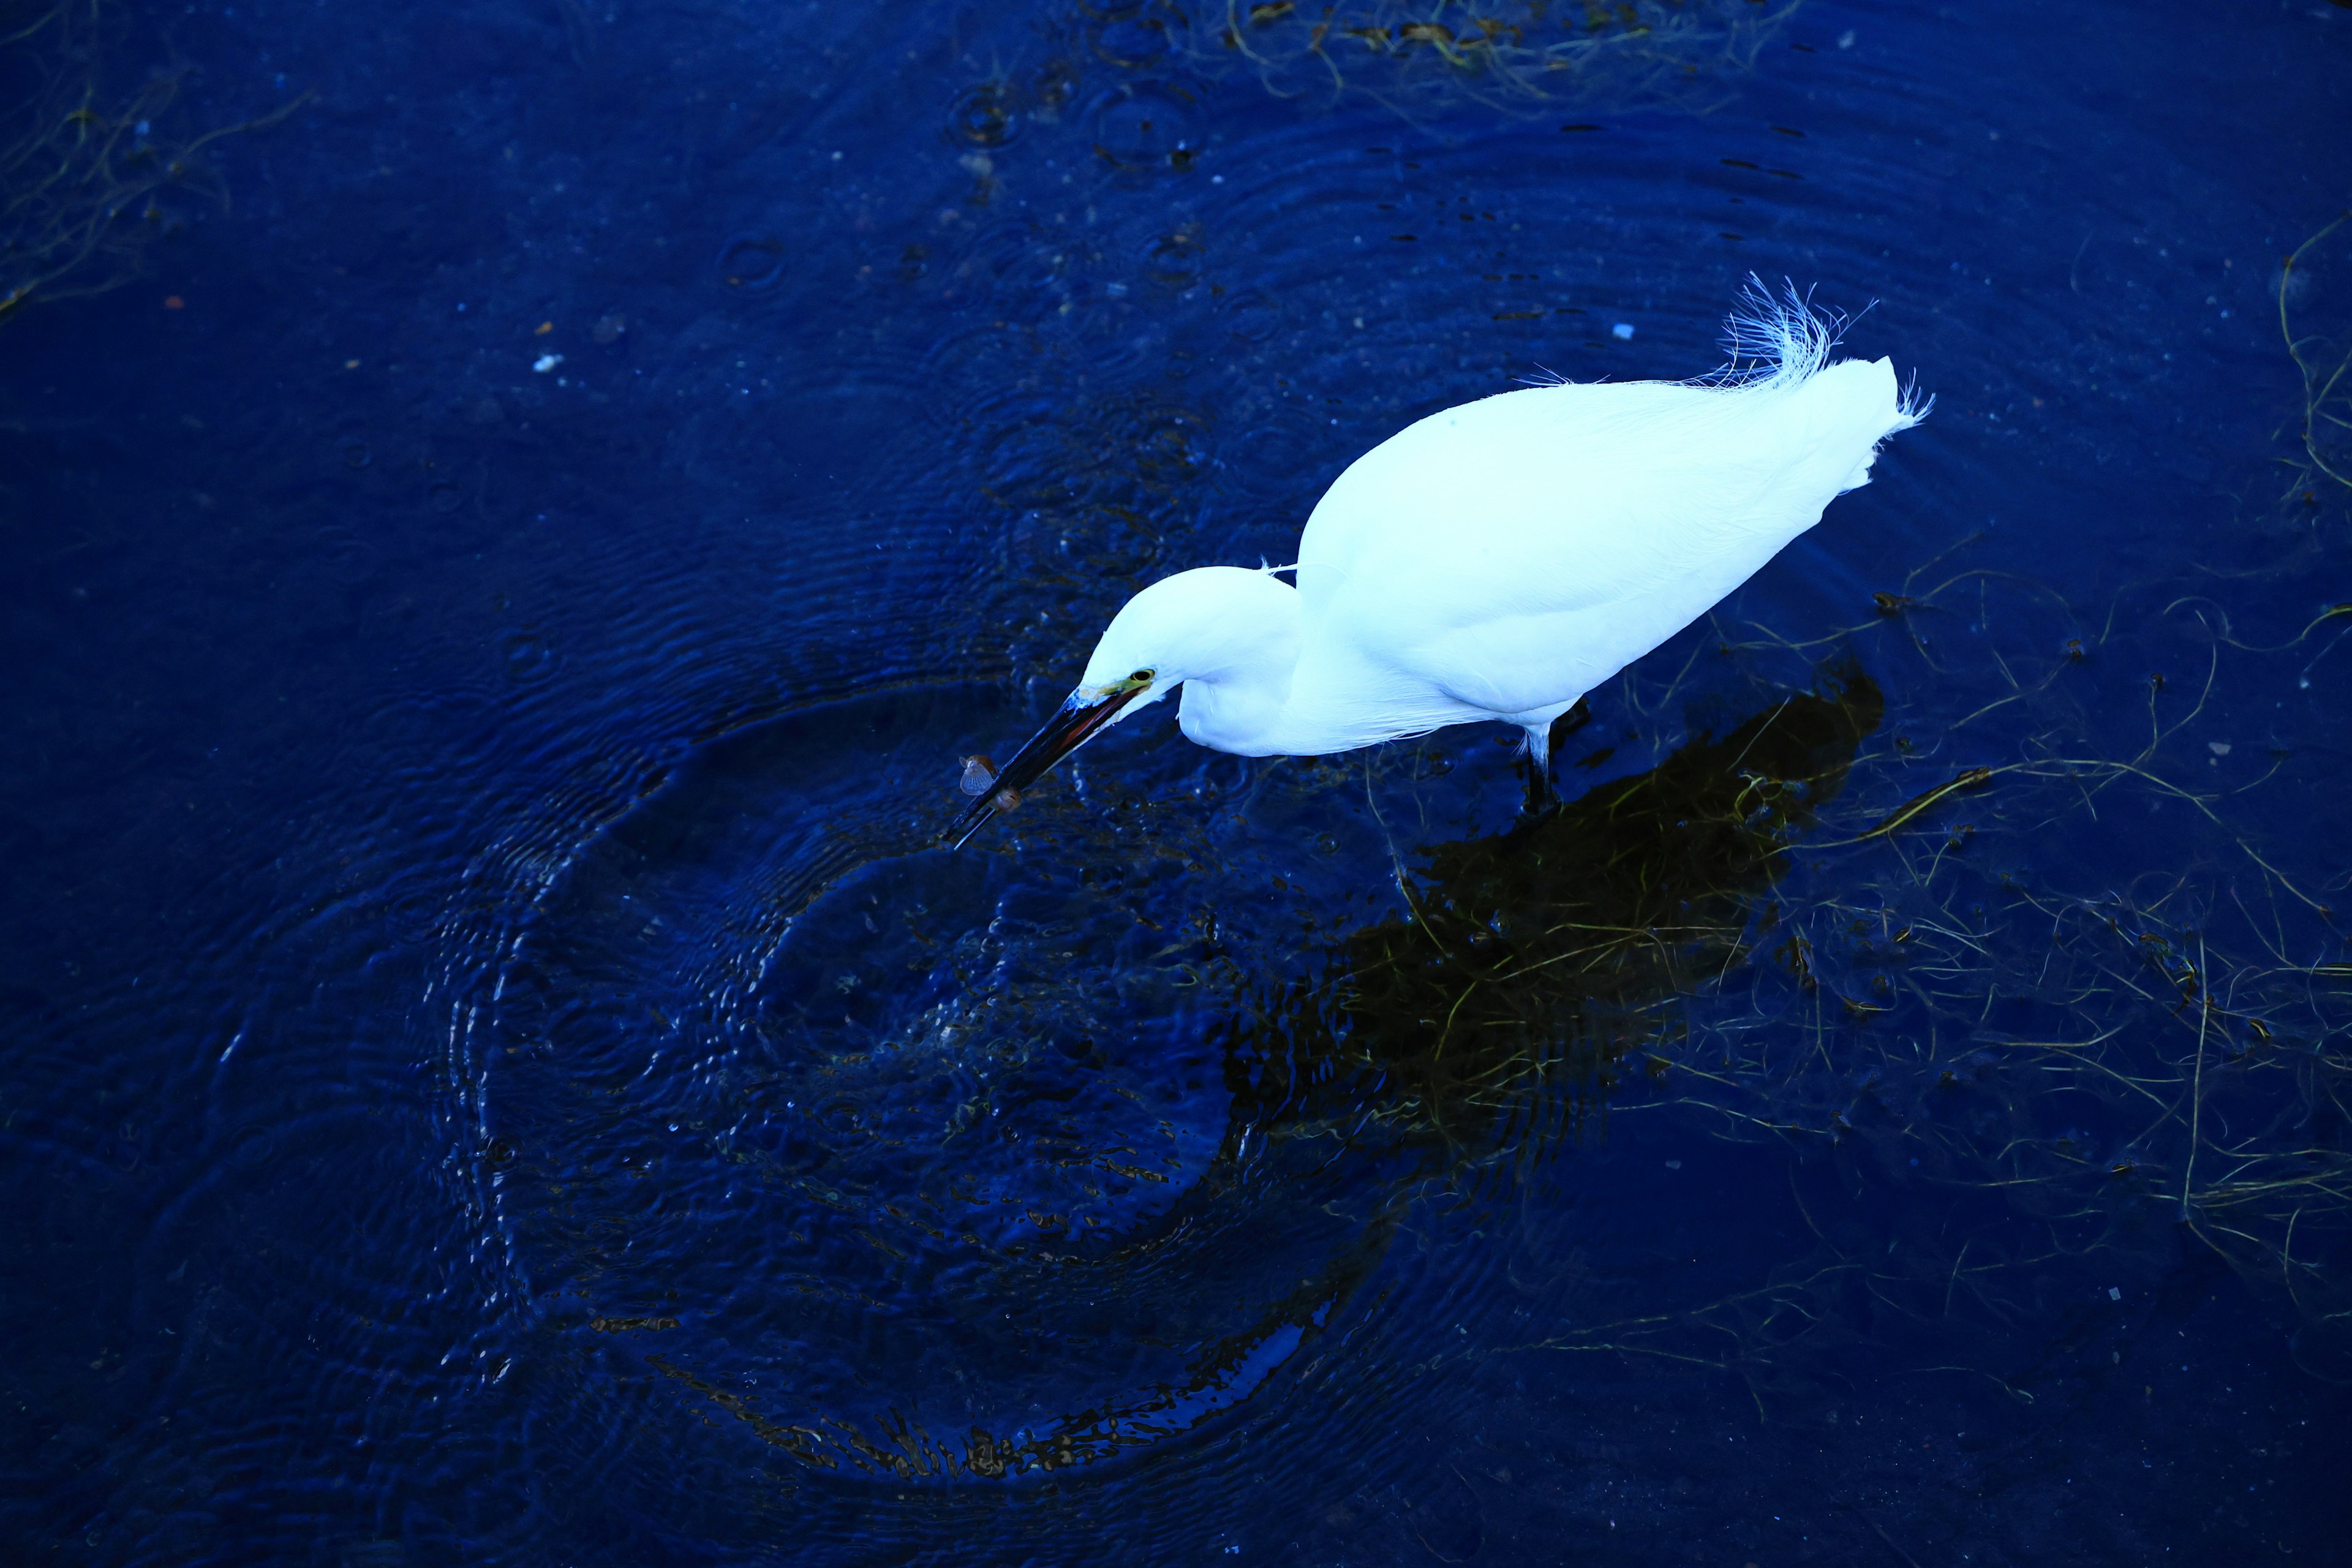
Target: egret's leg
[(1541, 726), (1542, 796), (1539, 748)]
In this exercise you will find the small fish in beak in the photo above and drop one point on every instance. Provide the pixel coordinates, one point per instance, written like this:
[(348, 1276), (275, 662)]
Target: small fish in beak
[(1085, 715), (978, 772), (980, 777)]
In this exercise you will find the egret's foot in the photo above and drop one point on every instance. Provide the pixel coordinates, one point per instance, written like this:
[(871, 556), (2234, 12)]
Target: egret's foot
[(1542, 796)]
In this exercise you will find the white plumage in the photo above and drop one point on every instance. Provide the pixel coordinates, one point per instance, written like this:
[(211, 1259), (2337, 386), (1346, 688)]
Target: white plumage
[(1499, 560)]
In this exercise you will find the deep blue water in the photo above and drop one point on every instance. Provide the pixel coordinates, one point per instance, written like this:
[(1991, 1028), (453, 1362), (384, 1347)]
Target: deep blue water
[(498, 1068)]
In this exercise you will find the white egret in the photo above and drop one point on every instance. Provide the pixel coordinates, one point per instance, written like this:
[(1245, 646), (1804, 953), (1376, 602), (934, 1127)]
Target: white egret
[(1499, 559)]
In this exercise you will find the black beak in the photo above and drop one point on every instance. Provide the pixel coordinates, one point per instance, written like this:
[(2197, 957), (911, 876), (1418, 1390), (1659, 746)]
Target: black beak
[(1073, 727)]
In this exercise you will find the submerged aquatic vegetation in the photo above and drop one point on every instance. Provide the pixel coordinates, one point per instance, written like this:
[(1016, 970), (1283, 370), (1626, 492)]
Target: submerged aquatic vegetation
[(2322, 352), (89, 174), (1525, 57), (2091, 1024), (2055, 1077)]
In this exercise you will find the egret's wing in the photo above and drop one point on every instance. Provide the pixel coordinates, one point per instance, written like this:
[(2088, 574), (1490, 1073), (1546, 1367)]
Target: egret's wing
[(1512, 552)]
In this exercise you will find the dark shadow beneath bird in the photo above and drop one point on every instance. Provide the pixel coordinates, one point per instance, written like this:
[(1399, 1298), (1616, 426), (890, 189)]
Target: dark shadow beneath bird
[(1532, 963)]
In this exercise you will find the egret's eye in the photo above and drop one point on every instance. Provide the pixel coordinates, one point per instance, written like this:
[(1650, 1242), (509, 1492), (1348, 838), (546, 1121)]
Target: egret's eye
[(1142, 676)]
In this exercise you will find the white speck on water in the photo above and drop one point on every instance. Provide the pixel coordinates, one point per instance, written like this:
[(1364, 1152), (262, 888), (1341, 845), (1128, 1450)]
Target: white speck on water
[(2114, 1294), (546, 362), (1845, 39), (2219, 748), (1622, 331)]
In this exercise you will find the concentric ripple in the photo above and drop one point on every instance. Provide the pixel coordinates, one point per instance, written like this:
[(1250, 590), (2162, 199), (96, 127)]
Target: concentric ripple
[(822, 1096)]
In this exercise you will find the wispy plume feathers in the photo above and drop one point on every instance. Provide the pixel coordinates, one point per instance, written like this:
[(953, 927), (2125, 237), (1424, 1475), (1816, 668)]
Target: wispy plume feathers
[(1776, 340)]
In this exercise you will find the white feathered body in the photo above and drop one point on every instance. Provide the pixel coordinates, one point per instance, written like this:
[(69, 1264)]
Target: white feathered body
[(1508, 556), (1501, 558)]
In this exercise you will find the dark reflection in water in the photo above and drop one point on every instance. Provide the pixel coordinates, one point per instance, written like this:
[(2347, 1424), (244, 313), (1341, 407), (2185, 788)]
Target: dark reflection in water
[(1533, 962)]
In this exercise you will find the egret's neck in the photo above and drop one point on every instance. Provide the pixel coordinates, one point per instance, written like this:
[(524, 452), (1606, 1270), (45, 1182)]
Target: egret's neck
[(1238, 680)]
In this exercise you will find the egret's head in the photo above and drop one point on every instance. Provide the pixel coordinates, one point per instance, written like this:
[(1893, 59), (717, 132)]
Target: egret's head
[(1196, 625), (1192, 626)]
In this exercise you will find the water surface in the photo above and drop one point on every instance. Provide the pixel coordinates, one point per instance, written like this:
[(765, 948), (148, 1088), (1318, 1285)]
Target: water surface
[(501, 1069)]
